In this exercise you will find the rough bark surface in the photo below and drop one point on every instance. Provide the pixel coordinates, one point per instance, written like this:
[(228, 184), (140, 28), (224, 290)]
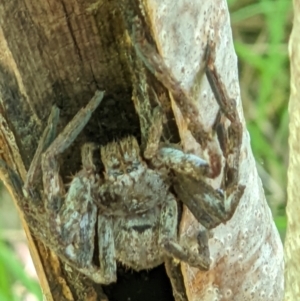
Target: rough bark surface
[(292, 242), (59, 52)]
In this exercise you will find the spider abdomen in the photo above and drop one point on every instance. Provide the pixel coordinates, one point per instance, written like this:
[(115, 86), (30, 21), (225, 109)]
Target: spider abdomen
[(136, 240)]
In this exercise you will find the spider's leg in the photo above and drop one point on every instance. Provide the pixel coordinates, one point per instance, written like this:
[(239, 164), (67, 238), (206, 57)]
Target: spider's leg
[(168, 238), (73, 220), (74, 127), (174, 273), (209, 206), (106, 245), (206, 204), (155, 63), (154, 134), (180, 162), (46, 139), (87, 154), (230, 140), (232, 143), (76, 224), (53, 187)]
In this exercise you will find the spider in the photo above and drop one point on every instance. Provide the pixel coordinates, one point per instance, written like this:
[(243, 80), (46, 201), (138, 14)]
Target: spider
[(130, 211), (131, 206)]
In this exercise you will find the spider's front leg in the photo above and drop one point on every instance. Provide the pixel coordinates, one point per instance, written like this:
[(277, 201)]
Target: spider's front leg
[(189, 168), (168, 155), (230, 140)]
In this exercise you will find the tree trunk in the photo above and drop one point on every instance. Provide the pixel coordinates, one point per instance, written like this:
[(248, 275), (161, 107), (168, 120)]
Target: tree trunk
[(60, 52), (292, 243)]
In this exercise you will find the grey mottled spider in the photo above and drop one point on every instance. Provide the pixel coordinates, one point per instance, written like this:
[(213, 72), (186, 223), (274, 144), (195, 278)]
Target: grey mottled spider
[(130, 207)]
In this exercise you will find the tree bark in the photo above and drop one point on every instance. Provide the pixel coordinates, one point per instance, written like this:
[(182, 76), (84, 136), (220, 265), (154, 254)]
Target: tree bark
[(60, 52), (292, 244)]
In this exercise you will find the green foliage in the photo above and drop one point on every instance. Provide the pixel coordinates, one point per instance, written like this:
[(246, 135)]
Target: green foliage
[(12, 274), (261, 30)]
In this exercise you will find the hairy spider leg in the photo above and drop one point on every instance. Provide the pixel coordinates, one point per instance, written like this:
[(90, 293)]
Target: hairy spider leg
[(171, 157), (201, 199), (173, 269), (233, 137), (50, 166), (107, 253), (206, 204), (72, 218), (168, 237), (231, 140), (155, 63), (48, 136)]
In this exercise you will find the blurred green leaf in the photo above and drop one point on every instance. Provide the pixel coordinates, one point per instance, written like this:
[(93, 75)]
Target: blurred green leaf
[(280, 222), (12, 269), (261, 30)]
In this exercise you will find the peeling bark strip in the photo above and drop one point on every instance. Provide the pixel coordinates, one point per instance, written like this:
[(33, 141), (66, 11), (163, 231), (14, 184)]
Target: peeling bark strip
[(292, 242), (60, 52)]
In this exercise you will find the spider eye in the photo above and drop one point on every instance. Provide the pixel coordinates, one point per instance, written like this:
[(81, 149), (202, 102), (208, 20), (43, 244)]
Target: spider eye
[(133, 167)]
